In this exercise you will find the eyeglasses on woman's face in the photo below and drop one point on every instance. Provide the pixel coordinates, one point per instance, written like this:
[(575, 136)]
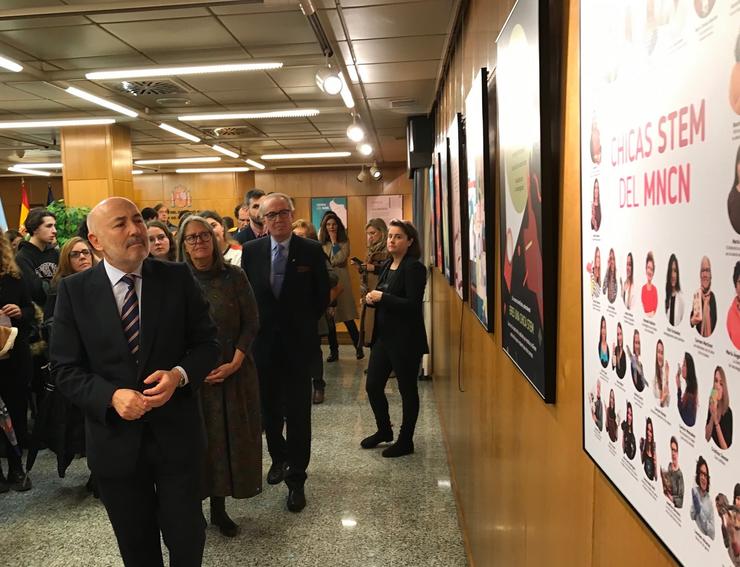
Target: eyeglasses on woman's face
[(198, 236), (271, 216), (77, 253)]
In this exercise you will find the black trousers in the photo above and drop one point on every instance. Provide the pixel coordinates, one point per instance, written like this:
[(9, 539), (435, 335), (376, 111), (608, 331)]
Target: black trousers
[(158, 496), (407, 371), (285, 389), (317, 369), (15, 376), (351, 329)]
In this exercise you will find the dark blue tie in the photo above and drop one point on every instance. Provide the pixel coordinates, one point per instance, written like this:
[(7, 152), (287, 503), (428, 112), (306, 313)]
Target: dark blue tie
[(279, 261), (130, 314)]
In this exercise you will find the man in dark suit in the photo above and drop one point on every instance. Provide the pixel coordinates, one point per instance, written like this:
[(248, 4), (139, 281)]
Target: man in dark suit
[(291, 283), (132, 341), (254, 227)]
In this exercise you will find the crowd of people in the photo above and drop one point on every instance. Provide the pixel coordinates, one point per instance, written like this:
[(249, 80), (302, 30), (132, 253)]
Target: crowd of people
[(169, 344)]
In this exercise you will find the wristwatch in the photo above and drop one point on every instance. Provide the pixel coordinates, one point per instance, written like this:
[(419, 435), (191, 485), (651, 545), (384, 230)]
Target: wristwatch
[(183, 380)]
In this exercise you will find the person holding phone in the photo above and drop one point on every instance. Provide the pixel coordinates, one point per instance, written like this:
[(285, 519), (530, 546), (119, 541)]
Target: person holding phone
[(376, 233)]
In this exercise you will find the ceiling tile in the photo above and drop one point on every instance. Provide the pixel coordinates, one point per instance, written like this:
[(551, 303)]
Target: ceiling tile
[(278, 128), (161, 35), (40, 89), (309, 93), (388, 72), (211, 55), (415, 48), (285, 50), (9, 93), (431, 17), (230, 81), (248, 96), (295, 77), (398, 89), (318, 143), (105, 62), (66, 42), (24, 105), (259, 30), (35, 23), (256, 8), (149, 15)]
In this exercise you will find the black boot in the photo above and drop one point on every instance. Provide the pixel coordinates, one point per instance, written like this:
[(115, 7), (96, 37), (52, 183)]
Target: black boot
[(333, 355), (220, 518), (18, 480), (399, 448), (360, 353), (3, 482), (377, 438)]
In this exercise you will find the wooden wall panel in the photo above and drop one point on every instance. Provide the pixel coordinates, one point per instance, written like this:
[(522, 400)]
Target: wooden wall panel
[(527, 493), (10, 193)]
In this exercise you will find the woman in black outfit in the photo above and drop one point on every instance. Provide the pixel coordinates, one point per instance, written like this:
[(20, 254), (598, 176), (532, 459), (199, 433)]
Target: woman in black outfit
[(399, 337), (16, 310)]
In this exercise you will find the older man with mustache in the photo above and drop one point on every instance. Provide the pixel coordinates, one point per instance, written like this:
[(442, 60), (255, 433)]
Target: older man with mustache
[(132, 341)]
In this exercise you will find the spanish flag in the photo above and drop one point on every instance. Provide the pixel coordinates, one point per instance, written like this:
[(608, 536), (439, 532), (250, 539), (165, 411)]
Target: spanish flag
[(24, 203)]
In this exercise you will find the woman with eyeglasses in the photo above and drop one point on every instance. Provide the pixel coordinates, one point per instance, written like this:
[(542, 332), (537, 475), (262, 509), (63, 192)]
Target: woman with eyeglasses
[(701, 503), (333, 238), (230, 394), (16, 312), (64, 431), (399, 338), (231, 249), (161, 243)]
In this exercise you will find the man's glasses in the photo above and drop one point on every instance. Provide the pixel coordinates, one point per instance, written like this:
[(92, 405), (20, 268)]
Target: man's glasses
[(275, 214), (77, 253), (202, 236), (158, 238)]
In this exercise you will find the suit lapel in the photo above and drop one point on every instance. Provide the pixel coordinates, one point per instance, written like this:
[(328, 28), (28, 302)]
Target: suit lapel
[(152, 292), (290, 267), (106, 311)]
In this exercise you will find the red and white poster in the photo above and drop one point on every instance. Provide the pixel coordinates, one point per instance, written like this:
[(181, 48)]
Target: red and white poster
[(660, 201)]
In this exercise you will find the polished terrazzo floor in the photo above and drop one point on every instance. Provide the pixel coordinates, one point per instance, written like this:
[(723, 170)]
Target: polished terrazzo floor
[(363, 510)]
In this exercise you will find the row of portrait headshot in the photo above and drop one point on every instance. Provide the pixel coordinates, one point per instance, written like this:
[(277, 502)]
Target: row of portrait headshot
[(659, 380), (701, 309), (702, 509)]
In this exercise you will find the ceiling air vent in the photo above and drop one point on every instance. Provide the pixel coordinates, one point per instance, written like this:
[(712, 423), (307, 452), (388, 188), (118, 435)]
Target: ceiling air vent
[(228, 132), (158, 87), (403, 103)]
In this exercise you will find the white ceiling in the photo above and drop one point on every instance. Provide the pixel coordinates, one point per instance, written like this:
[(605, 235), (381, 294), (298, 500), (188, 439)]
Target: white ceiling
[(397, 46)]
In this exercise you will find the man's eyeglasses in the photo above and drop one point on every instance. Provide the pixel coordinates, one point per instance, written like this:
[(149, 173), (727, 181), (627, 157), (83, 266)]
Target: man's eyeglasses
[(158, 238), (283, 214), (202, 236), (77, 253)]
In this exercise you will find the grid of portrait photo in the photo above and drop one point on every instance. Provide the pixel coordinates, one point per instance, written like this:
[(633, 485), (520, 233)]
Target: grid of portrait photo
[(660, 190)]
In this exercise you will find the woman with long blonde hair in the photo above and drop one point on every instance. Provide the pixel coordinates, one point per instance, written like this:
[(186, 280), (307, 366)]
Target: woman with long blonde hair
[(16, 311)]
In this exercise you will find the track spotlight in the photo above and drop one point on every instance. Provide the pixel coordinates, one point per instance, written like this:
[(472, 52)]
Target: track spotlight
[(328, 81), (365, 149), (363, 175), (375, 172), (355, 132)]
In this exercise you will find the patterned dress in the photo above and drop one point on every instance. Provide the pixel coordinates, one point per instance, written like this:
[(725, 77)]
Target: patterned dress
[(231, 409)]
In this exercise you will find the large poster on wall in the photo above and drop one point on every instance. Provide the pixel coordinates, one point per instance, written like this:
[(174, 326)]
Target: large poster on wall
[(479, 201), (444, 167), (528, 196), (458, 195), (660, 226), (439, 243)]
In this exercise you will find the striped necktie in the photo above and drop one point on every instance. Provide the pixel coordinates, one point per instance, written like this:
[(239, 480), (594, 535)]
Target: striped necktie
[(130, 314)]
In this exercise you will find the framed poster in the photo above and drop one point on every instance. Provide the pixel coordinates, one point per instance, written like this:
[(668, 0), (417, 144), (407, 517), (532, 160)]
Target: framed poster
[(480, 198), (444, 161), (458, 197), (528, 103), (321, 205), (386, 207), (439, 243), (660, 265)]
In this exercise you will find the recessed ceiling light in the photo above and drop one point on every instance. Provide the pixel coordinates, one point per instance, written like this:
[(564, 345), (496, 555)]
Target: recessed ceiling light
[(295, 113), (349, 102), (20, 124), (211, 169), (256, 164), (10, 65), (137, 171), (183, 70), (225, 151), (307, 155), (179, 132), (39, 165), (30, 171), (176, 160), (101, 101)]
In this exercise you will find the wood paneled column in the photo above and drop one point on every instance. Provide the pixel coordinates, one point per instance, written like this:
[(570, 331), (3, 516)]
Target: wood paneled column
[(97, 164)]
